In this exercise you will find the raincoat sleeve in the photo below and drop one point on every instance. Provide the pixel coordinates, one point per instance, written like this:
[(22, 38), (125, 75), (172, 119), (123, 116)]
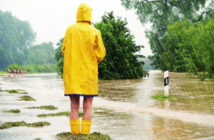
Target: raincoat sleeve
[(64, 42), (100, 48)]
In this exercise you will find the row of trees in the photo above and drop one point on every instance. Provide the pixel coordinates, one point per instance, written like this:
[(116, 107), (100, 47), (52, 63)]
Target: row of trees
[(191, 46), (121, 61), (40, 54), (33, 68), (16, 43), (181, 38)]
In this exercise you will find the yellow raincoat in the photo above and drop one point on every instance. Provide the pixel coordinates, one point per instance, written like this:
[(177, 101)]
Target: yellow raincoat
[(83, 49)]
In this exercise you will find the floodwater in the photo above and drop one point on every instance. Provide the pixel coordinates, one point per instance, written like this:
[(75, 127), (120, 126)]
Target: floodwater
[(124, 109)]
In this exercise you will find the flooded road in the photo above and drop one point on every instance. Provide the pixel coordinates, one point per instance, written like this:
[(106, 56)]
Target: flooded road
[(124, 109)]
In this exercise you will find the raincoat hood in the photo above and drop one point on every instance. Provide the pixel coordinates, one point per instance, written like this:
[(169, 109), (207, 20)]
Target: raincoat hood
[(84, 13)]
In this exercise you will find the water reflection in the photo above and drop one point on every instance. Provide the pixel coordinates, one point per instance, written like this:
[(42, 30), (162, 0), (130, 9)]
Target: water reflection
[(118, 90), (166, 129), (190, 94)]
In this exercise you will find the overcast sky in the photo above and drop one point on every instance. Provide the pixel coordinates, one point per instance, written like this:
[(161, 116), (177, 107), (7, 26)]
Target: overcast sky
[(50, 18)]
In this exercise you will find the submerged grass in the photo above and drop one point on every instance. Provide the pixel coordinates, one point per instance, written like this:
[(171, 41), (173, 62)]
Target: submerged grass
[(12, 124), (38, 124), (26, 98), (15, 91), (12, 111), (93, 136), (46, 107), (161, 96), (57, 114), (23, 123), (54, 114)]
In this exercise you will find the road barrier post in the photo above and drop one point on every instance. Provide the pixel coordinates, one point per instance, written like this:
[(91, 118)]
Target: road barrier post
[(166, 83)]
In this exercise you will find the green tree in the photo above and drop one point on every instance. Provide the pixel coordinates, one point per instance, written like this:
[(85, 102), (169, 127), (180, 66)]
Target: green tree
[(121, 61), (192, 45), (162, 13), (15, 35), (40, 54), (16, 44), (59, 58)]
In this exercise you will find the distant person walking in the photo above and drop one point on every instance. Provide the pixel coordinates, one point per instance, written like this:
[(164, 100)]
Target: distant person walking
[(8, 72), (14, 72), (83, 50)]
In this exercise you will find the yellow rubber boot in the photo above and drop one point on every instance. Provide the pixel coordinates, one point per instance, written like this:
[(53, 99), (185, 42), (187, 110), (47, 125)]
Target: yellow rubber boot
[(86, 127), (75, 126)]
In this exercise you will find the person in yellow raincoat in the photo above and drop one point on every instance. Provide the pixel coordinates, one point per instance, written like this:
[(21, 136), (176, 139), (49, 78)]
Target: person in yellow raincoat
[(83, 50)]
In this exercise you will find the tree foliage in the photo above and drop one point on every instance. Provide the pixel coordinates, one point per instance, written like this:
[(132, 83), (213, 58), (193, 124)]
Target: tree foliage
[(15, 35), (192, 45), (16, 43), (59, 58), (162, 13), (40, 54), (121, 61)]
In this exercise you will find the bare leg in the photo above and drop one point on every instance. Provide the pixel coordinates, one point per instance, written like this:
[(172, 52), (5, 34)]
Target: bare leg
[(87, 108), (74, 107), (74, 117)]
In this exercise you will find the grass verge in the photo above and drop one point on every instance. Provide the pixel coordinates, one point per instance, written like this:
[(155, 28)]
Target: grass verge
[(93, 136)]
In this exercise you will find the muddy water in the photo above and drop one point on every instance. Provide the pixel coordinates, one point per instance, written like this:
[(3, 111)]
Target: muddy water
[(124, 110)]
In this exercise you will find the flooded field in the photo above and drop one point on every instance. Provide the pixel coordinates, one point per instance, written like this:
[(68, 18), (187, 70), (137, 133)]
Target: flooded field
[(124, 110)]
